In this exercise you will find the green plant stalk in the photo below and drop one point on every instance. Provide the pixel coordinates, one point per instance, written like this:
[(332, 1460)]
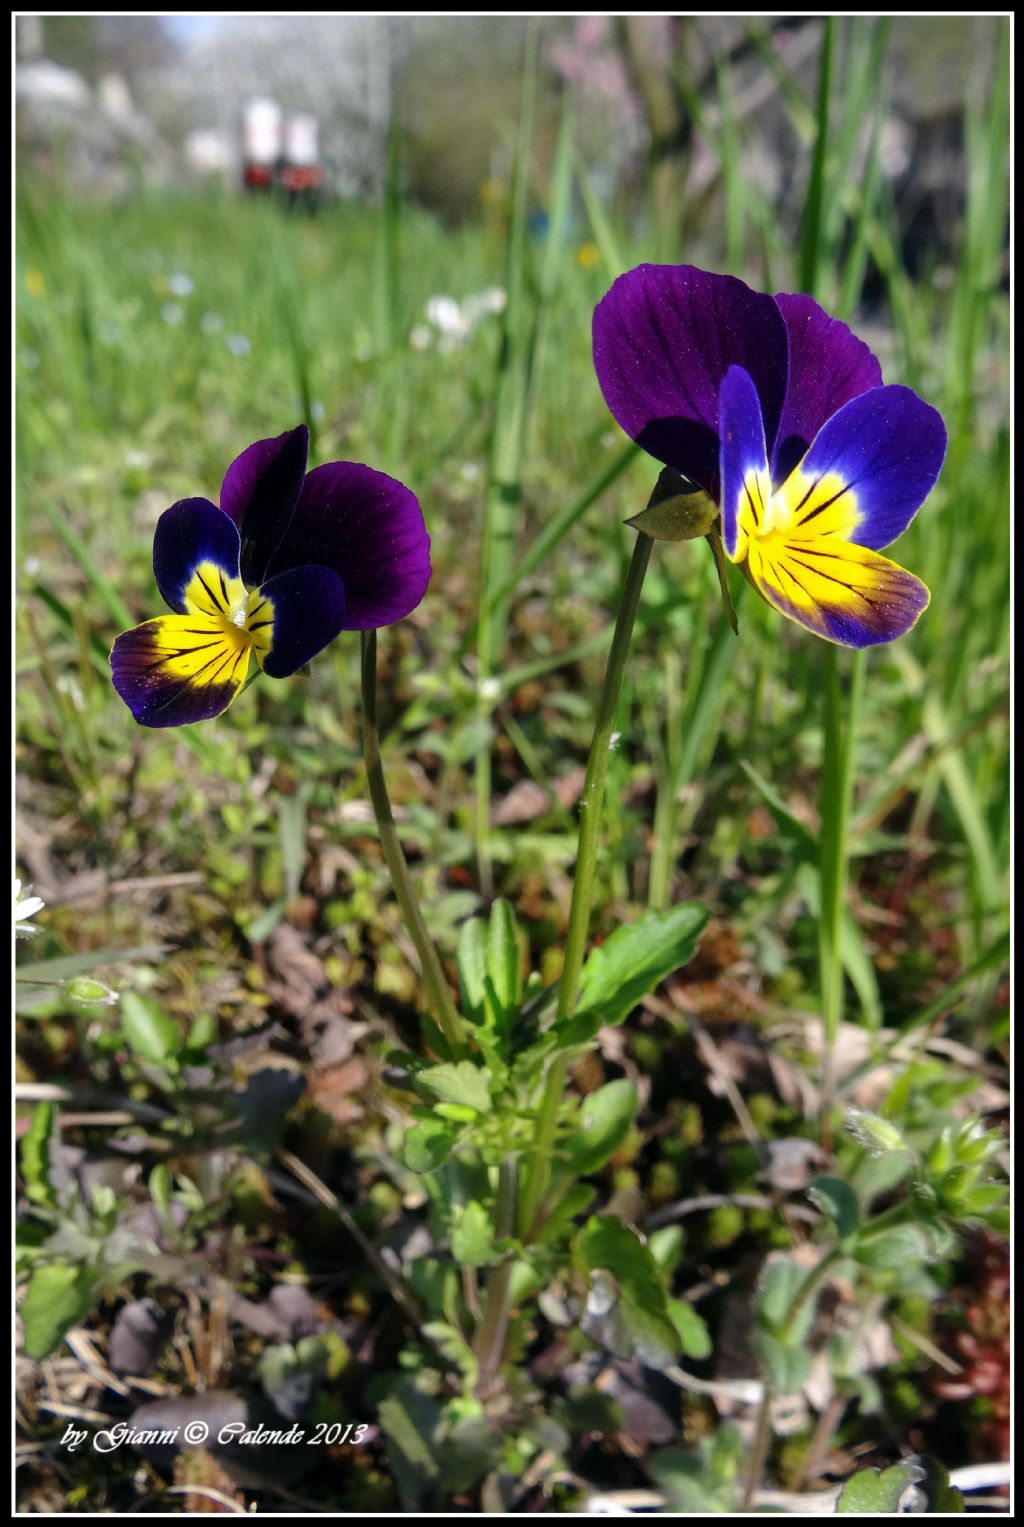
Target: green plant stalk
[(437, 987), (591, 803), (836, 796), (489, 1342)]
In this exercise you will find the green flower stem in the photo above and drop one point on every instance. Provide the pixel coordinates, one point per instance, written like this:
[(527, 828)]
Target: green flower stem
[(591, 803), (489, 1343), (836, 796), (433, 976)]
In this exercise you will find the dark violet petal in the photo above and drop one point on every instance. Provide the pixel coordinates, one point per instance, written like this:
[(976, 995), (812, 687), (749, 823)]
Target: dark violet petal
[(828, 365), (744, 461), (307, 607), (260, 493), (888, 446), (664, 337), (368, 528), (178, 669), (190, 532)]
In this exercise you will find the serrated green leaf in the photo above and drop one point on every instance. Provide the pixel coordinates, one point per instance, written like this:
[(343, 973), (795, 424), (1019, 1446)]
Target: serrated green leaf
[(58, 1297), (148, 1030), (456, 1082), (605, 1119), (878, 1493), (630, 964), (472, 1237)]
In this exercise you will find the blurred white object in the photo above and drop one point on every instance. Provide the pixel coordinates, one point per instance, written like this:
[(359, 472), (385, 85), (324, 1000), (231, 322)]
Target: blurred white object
[(300, 140), (209, 152), (261, 131), (49, 84), (24, 908)]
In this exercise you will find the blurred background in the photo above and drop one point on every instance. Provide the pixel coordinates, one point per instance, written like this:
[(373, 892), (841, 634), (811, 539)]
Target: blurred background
[(396, 229)]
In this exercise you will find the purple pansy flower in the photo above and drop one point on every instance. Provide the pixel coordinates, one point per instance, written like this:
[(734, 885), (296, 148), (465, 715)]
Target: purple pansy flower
[(779, 413), (290, 559)]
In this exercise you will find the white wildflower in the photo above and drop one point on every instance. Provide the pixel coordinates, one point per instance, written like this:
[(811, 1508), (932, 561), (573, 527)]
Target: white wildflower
[(238, 344), (180, 284), (24, 907)]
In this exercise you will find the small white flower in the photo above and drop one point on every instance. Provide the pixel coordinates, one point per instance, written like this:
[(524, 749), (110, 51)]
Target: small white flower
[(494, 299), (471, 471), (421, 337), (136, 459), (445, 314), (171, 313), (211, 323), (613, 741), (32, 566), (25, 907), (180, 284), (238, 344), (490, 689)]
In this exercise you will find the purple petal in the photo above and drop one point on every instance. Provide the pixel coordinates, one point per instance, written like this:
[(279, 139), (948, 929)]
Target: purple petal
[(260, 493), (828, 365), (744, 461), (189, 533), (179, 669), (368, 528), (307, 607), (885, 449), (664, 337)]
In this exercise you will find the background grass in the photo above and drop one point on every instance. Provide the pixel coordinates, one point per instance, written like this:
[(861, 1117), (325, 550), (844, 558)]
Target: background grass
[(130, 396)]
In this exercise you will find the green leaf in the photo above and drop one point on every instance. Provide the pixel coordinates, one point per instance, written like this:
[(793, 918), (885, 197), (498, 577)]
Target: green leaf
[(569, 1205), (471, 960), (630, 964), (605, 1119), (428, 1145), (693, 1333), (778, 1288), (627, 1312), (786, 1366), (877, 1493), (57, 1298), (838, 1200), (457, 1082), (35, 1155), (893, 1248), (149, 1031), (504, 964), (472, 1237)]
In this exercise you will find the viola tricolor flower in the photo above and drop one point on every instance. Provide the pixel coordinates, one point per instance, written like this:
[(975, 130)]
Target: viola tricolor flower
[(778, 412), (290, 559)]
